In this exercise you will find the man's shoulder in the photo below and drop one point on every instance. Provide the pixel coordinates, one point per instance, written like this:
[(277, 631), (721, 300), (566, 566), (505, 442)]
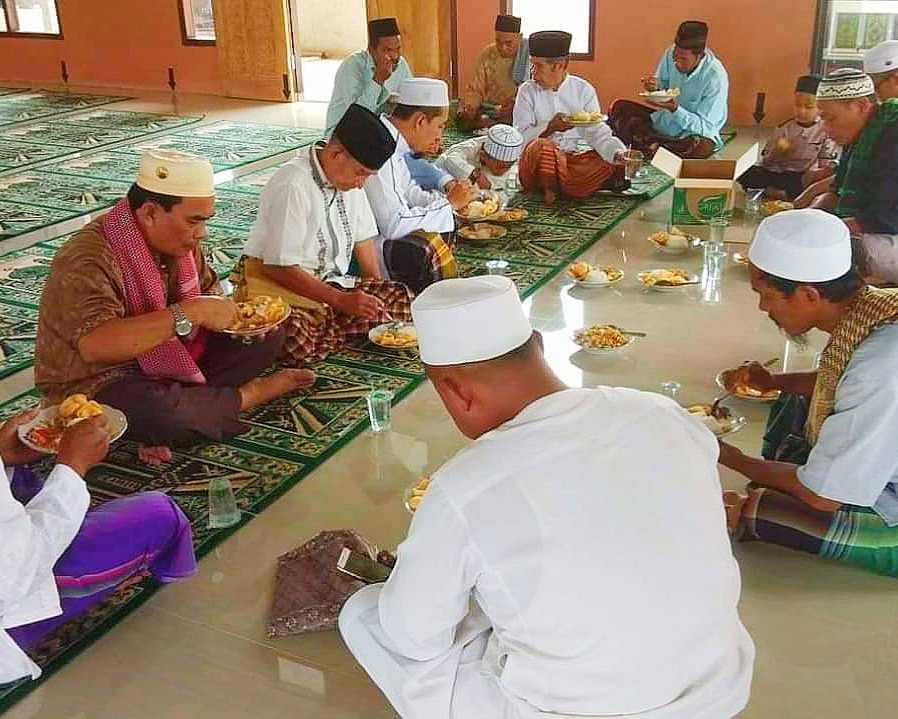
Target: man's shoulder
[(489, 53), (581, 84), (88, 243), (296, 173)]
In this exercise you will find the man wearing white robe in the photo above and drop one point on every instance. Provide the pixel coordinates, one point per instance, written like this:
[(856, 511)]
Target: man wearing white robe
[(573, 560), (560, 157)]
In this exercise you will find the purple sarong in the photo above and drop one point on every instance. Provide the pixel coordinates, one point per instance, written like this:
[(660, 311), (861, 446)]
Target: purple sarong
[(118, 540)]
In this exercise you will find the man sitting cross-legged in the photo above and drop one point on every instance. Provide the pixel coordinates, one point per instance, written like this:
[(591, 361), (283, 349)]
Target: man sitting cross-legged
[(130, 312), (828, 482), (313, 219)]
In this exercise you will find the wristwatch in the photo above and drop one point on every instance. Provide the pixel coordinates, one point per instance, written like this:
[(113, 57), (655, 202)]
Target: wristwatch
[(183, 325)]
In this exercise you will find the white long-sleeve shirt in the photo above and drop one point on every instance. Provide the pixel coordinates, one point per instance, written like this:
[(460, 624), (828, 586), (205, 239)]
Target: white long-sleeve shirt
[(32, 538), (536, 106), (400, 205), (589, 530), (463, 158)]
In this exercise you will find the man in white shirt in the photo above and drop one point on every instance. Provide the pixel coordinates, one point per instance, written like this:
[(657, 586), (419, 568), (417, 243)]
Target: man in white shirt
[(559, 157), (313, 219), (490, 163), (881, 64), (57, 559), (416, 224), (830, 487), (572, 561)]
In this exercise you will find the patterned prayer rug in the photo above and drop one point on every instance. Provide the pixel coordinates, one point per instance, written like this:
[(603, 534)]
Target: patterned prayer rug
[(22, 106)]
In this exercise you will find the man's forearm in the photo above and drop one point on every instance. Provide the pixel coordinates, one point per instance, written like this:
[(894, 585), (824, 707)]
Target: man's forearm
[(124, 339), (366, 254), (302, 283)]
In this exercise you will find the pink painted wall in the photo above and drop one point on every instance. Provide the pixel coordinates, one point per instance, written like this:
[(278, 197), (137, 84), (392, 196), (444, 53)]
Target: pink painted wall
[(764, 45), (113, 43)]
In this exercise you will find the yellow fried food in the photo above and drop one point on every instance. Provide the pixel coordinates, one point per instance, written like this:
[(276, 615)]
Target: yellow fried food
[(674, 238), (585, 116), (600, 337), (481, 208), (746, 390), (259, 312), (583, 272), (514, 214), (396, 338), (417, 493), (771, 207), (78, 407), (669, 278), (481, 232)]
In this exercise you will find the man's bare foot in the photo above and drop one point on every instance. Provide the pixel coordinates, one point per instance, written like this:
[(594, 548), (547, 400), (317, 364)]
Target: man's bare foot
[(154, 456), (264, 389), (550, 195), (733, 502)]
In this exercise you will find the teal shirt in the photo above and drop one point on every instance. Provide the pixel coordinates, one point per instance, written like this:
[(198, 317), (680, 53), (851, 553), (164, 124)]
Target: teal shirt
[(354, 83), (702, 104)]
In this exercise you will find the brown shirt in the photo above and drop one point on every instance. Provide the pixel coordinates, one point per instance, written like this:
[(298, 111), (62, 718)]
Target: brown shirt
[(86, 289), (492, 81)]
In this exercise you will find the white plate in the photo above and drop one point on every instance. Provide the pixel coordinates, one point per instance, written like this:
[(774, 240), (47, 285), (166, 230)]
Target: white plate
[(463, 232), (658, 96), (667, 288), (600, 350), (258, 331), (118, 425), (375, 333), (721, 428), (586, 123), (484, 195), (665, 250), (589, 285), (746, 397)]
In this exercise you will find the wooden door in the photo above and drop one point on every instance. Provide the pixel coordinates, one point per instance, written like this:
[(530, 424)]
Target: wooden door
[(426, 27), (255, 49)]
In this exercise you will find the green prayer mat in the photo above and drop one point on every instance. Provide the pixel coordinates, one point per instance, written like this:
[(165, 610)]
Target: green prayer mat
[(22, 106)]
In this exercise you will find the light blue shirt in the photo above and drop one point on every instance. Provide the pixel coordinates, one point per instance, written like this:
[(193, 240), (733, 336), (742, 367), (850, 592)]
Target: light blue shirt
[(354, 83), (702, 103), (855, 460)]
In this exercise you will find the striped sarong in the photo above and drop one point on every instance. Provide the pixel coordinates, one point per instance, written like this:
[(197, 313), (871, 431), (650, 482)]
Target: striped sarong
[(544, 165), (420, 259), (854, 535)]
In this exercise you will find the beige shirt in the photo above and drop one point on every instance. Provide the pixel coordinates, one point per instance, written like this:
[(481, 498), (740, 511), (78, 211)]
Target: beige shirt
[(86, 289), (492, 81)]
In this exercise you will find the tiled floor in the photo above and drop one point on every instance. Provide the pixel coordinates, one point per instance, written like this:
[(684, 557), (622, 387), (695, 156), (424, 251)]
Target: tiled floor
[(826, 635)]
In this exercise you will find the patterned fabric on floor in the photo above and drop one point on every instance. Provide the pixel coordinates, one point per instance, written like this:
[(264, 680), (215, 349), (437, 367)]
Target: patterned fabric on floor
[(24, 105)]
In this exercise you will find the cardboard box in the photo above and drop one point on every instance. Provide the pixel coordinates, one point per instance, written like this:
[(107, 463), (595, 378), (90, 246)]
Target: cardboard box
[(703, 189)]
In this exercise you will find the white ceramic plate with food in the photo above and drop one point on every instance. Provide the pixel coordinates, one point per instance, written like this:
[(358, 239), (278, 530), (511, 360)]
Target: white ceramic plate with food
[(584, 119), (43, 433), (394, 335), (749, 393), (720, 426), (660, 95), (481, 232), (588, 277), (673, 243), (259, 316), (740, 259), (483, 208), (663, 280), (510, 214), (601, 339)]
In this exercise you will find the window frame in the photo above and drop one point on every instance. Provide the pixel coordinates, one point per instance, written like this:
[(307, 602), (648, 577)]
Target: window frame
[(7, 15), (822, 52), (185, 39), (507, 7)]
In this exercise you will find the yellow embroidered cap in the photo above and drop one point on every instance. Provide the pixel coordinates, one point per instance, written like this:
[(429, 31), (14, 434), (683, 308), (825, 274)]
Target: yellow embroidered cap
[(179, 174)]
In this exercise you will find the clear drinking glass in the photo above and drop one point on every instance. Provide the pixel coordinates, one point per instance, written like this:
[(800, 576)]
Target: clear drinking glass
[(753, 198), (496, 267), (223, 509), (632, 163), (718, 227), (379, 405)]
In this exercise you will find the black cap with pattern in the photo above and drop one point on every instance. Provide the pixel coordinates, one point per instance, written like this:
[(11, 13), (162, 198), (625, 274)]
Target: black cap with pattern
[(382, 27), (551, 44), (365, 137)]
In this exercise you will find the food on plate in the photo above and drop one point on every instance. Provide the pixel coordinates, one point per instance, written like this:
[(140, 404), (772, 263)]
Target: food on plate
[(771, 207), (512, 214), (482, 231), (259, 312), (746, 390), (481, 208), (585, 272), (741, 259), (674, 238), (73, 409), (703, 412), (585, 116), (601, 337), (398, 337), (417, 493), (669, 93), (665, 278)]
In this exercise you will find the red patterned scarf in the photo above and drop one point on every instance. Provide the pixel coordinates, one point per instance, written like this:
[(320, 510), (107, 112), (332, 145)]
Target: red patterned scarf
[(144, 293)]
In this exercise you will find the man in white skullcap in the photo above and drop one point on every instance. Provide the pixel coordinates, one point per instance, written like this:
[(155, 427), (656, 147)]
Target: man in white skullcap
[(571, 562), (416, 224), (881, 64), (131, 315), (864, 190), (488, 162), (827, 484), (559, 157)]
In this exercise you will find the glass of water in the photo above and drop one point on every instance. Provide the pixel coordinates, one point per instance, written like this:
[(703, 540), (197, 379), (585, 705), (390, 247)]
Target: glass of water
[(223, 509), (496, 267), (379, 405), (753, 198)]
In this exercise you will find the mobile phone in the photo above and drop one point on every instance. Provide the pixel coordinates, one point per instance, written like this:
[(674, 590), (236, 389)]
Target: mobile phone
[(362, 567)]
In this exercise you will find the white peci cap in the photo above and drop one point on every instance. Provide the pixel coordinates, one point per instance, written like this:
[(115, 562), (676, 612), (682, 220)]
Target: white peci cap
[(179, 174), (802, 246), (470, 319), (881, 58), (504, 143), (424, 92)]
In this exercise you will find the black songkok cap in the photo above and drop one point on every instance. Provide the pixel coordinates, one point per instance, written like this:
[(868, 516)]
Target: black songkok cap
[(692, 35), (382, 27), (550, 44), (365, 137), (808, 84), (508, 23)]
